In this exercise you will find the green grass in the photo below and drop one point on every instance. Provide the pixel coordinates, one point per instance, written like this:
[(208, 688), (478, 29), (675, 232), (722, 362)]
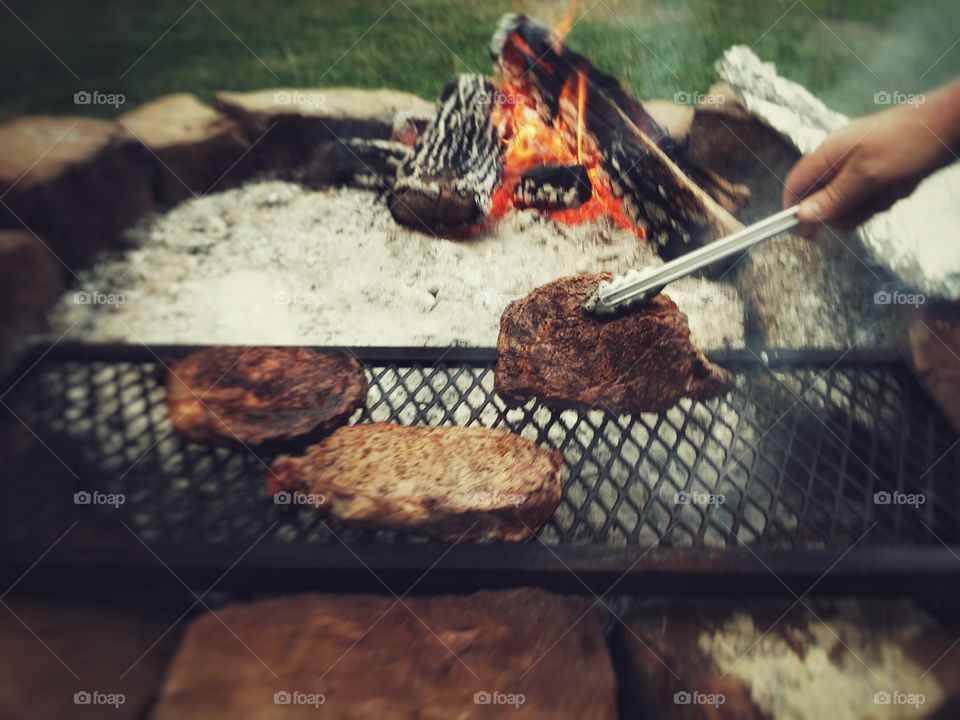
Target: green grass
[(844, 51)]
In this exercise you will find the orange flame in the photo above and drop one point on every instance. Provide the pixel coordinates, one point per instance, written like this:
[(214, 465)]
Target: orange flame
[(530, 142), (562, 26), (581, 106)]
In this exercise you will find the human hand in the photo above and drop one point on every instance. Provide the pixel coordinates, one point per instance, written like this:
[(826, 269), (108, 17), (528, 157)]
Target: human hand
[(865, 167)]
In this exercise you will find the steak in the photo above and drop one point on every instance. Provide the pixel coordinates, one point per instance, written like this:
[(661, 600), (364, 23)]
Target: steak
[(642, 361), (449, 482), (493, 654), (256, 395)]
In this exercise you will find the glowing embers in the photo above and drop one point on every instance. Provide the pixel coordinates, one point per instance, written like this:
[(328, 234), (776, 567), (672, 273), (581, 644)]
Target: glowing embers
[(554, 166)]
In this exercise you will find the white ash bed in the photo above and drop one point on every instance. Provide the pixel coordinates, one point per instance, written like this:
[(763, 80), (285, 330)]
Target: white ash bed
[(274, 263)]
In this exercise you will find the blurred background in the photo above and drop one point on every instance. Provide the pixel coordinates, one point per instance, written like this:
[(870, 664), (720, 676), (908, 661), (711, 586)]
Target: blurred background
[(842, 51), (190, 230)]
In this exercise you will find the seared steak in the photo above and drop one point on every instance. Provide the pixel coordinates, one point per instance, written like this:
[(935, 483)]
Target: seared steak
[(255, 395), (643, 361), (494, 654), (451, 482)]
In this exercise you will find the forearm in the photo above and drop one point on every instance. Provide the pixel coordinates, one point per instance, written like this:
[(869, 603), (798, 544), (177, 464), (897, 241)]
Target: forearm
[(940, 113)]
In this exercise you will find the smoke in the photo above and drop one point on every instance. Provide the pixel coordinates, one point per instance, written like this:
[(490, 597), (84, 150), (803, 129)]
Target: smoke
[(913, 52)]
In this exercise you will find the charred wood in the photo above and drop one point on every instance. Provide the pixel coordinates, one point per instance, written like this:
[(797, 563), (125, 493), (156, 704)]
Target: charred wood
[(647, 168), (717, 140), (553, 187), (448, 181)]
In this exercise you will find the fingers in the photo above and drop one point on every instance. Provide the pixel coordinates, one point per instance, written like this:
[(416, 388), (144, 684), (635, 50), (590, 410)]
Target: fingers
[(805, 177), (837, 200), (809, 173), (853, 214), (872, 206), (829, 204), (808, 231), (861, 169)]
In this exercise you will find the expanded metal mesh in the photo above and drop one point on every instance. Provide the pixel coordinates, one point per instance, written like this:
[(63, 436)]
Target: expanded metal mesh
[(802, 457)]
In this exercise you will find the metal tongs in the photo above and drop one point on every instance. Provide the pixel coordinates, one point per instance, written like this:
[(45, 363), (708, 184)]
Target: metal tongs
[(618, 294)]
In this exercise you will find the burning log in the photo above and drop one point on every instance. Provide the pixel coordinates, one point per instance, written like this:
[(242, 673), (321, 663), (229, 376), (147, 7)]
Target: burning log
[(449, 179), (553, 187), (646, 167)]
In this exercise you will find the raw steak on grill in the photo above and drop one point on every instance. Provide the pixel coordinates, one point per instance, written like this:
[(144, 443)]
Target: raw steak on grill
[(255, 395), (642, 361), (450, 482)]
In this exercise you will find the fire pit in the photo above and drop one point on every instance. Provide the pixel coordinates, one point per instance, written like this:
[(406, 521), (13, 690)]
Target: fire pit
[(555, 133), (403, 238)]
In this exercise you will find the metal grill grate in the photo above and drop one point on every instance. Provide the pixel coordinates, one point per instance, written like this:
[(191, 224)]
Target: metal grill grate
[(790, 458)]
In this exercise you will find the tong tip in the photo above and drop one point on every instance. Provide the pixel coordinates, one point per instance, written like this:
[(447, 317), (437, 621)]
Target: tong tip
[(596, 303), (593, 303)]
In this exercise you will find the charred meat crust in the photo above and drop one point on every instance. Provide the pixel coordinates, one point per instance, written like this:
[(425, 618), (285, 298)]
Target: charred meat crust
[(260, 395), (642, 361), (449, 482)]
